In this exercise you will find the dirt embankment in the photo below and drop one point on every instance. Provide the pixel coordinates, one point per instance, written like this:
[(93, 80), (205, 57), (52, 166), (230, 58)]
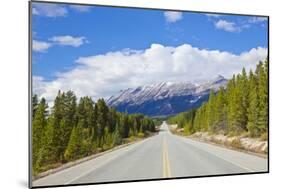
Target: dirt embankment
[(255, 145)]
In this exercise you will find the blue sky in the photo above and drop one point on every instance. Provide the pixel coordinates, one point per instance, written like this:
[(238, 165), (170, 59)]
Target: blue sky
[(68, 39)]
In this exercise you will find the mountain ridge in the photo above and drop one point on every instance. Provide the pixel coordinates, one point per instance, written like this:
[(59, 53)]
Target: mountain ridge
[(165, 98)]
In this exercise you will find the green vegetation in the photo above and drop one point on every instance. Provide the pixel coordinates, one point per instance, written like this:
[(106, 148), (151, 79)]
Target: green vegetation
[(241, 107), (71, 131), (158, 120)]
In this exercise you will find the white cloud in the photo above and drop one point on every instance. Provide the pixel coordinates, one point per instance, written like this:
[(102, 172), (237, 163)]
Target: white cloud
[(40, 46), (68, 40), (172, 16), (106, 74), (38, 84), (227, 26), (34, 11), (56, 10), (48, 9), (81, 8), (213, 15), (236, 26), (257, 19)]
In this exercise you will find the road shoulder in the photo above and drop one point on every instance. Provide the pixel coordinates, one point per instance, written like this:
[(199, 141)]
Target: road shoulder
[(212, 142)]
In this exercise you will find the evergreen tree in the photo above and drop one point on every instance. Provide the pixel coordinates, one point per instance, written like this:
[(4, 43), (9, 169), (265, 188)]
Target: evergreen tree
[(263, 97), (74, 147), (117, 138), (38, 129), (34, 105), (86, 114), (69, 120), (131, 132), (95, 123), (220, 113), (112, 119), (253, 112), (102, 117), (71, 132), (211, 111), (46, 154), (243, 93), (232, 104), (242, 106)]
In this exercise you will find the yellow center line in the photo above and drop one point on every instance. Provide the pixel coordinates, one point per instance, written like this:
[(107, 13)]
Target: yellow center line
[(166, 162)]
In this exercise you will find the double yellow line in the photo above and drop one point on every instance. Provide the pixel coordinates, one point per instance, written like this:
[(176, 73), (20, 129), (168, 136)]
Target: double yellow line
[(166, 162)]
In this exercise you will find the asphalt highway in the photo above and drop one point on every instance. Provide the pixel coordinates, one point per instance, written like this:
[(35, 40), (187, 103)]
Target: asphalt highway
[(161, 156)]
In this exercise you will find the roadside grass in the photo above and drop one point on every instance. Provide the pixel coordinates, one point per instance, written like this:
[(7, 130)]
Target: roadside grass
[(232, 139), (236, 143), (46, 168), (264, 136)]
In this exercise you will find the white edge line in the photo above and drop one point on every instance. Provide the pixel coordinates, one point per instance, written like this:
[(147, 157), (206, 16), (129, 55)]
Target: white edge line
[(114, 157), (236, 164)]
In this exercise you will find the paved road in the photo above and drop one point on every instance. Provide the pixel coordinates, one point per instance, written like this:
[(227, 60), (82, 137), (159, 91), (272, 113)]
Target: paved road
[(161, 156)]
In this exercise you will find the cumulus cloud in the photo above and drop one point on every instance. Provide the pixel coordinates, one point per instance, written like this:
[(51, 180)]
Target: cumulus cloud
[(40, 46), (227, 26), (68, 40), (80, 8), (106, 74), (172, 16), (48, 9), (257, 19), (65, 40), (238, 26), (56, 10), (213, 15), (38, 84)]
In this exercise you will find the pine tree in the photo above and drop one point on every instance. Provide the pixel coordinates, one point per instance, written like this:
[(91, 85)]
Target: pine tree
[(102, 117), (263, 97), (241, 103), (69, 120), (71, 132), (74, 147), (253, 112), (34, 105), (47, 151), (211, 111), (85, 114), (112, 119), (38, 129), (64, 111), (244, 93), (233, 105), (131, 132), (220, 113), (117, 139), (241, 106), (135, 127), (106, 139), (95, 123)]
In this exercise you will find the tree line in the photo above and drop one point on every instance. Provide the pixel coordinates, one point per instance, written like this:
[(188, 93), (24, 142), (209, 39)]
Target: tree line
[(72, 130), (240, 107)]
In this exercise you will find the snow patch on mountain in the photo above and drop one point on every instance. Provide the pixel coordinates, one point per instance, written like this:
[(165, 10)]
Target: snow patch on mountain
[(164, 97)]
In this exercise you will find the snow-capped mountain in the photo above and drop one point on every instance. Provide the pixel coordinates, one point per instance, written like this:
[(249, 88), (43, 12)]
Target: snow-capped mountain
[(164, 98)]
